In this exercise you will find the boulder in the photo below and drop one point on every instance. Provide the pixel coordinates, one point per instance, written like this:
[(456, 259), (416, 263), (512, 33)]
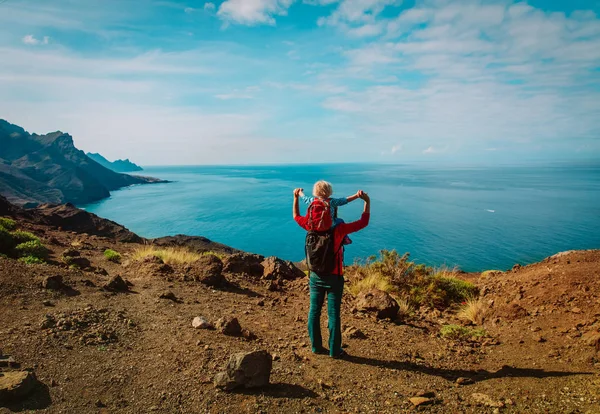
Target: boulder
[(379, 302), (208, 270), (229, 326), (117, 284), (246, 369), (277, 269), (53, 283), (246, 263), (15, 385)]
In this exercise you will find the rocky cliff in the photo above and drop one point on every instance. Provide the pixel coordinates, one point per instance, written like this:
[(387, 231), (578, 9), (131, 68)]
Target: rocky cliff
[(37, 169)]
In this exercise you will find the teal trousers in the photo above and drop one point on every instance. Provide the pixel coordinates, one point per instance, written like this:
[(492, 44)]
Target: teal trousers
[(331, 286)]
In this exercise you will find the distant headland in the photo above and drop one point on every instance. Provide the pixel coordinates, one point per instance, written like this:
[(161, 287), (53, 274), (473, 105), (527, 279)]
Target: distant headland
[(37, 169)]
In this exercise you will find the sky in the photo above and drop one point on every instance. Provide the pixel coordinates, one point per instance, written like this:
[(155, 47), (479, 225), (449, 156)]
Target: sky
[(169, 82)]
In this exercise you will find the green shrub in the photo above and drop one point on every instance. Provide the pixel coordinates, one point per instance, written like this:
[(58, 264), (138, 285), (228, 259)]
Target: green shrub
[(21, 236), (112, 255), (31, 260), (3, 256), (421, 285), (8, 224), (460, 332), (32, 248), (7, 241)]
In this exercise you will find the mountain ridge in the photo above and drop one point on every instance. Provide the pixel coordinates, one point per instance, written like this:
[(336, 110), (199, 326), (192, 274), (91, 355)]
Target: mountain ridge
[(122, 166), (48, 168)]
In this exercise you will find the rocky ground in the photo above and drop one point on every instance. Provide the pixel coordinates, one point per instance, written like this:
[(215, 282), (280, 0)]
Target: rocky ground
[(84, 341)]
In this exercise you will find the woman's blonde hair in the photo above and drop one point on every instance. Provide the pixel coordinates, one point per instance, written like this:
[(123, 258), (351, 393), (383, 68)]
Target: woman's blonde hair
[(322, 189)]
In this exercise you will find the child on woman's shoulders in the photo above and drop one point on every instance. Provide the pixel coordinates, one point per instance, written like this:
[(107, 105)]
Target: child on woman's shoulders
[(322, 192)]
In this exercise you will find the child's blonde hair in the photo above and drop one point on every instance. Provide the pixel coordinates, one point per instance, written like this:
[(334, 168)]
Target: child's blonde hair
[(322, 189)]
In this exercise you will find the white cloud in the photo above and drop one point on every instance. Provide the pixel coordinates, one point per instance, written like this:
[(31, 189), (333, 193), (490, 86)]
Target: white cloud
[(358, 18), (209, 6), (32, 40), (253, 12), (474, 72), (396, 148)]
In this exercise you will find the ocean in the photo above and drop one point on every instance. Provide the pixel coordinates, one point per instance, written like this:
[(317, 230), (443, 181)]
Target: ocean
[(474, 218)]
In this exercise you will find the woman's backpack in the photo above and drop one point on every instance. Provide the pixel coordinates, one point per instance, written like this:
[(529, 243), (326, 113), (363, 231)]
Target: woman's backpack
[(320, 251), (319, 215)]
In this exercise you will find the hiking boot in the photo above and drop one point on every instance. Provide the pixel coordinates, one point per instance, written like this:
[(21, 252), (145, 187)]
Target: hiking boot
[(342, 355), (321, 351)]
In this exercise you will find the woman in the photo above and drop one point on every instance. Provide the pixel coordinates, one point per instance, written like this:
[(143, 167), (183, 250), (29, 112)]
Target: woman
[(331, 284)]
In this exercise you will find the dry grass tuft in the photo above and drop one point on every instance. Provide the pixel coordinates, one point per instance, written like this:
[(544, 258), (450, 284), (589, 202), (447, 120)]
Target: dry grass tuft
[(474, 310), (169, 255), (373, 280), (406, 307)]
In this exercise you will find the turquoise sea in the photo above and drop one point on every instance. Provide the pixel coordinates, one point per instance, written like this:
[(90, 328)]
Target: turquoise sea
[(473, 217)]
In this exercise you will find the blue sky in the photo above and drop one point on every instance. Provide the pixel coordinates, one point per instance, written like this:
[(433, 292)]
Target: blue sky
[(278, 81)]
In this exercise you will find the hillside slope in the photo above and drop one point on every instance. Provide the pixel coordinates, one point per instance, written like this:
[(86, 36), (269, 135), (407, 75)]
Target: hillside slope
[(49, 168), (98, 350)]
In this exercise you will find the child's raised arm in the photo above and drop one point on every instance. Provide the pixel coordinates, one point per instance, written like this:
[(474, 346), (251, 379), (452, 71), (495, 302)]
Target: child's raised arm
[(304, 198), (354, 196), (337, 202)]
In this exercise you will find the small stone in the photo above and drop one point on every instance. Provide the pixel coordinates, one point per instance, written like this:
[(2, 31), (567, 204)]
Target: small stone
[(99, 404), (200, 323), (576, 310), (592, 339), (247, 334), (354, 333), (486, 400), (261, 303), (8, 362), (539, 338), (463, 381), (169, 296), (417, 401), (117, 284), (53, 282), (48, 303), (229, 326)]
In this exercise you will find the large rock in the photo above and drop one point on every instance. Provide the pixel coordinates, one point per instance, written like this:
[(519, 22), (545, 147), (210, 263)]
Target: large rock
[(246, 369), (277, 269), (378, 302), (208, 270), (250, 264), (15, 385)]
